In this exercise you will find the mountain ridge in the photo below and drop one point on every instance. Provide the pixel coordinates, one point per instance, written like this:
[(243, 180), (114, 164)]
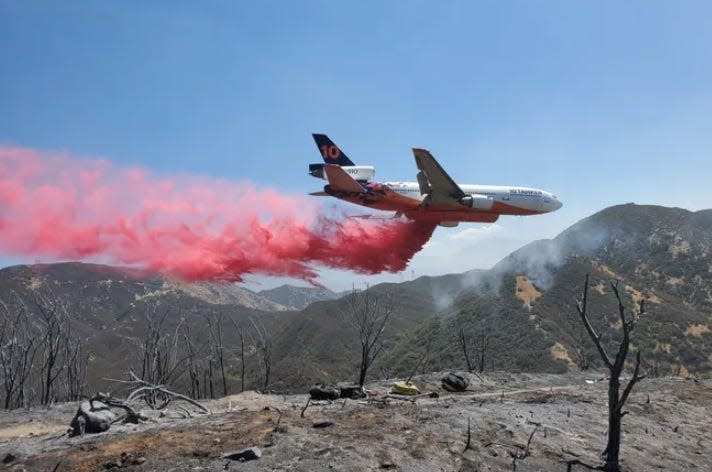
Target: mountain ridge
[(298, 297), (524, 306)]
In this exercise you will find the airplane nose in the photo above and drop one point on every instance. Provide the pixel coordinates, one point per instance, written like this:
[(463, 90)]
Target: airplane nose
[(557, 204)]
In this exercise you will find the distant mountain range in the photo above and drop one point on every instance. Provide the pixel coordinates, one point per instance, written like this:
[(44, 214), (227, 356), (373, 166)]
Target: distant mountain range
[(298, 298), (524, 306)]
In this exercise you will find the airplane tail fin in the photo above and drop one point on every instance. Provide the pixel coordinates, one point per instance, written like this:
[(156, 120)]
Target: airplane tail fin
[(330, 152)]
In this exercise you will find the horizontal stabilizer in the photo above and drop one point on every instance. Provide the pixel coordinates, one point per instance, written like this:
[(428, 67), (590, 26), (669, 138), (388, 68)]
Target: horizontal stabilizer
[(340, 180), (319, 194)]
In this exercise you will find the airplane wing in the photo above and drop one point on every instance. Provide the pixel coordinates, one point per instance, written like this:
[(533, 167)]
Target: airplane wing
[(340, 180), (442, 189)]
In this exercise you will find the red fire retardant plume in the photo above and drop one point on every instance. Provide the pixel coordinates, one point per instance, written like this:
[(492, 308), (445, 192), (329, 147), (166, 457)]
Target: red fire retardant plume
[(56, 207)]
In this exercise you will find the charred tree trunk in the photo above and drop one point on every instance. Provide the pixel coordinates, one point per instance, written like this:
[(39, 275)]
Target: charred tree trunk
[(263, 346), (613, 445), (363, 368), (483, 350), (242, 360), (464, 344), (215, 329), (210, 376), (241, 334), (616, 400)]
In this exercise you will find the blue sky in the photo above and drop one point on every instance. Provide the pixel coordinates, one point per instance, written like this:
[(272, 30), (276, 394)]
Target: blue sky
[(600, 102)]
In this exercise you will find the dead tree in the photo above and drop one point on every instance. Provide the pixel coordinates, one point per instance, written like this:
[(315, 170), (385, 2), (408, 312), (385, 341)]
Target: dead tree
[(581, 356), (368, 313), (616, 400), (147, 391), (215, 332), (474, 351), (53, 316), (421, 359), (76, 371), (241, 333), (160, 363), (263, 347), (19, 344), (484, 342), (465, 344), (195, 364)]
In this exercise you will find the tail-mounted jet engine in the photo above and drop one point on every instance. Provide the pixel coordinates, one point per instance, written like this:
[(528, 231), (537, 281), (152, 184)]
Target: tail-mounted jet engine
[(358, 173)]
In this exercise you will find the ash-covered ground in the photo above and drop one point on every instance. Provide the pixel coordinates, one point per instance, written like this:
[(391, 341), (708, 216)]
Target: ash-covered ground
[(667, 429)]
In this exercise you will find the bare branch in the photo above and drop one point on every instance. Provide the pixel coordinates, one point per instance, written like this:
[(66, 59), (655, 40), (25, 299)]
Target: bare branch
[(469, 436), (631, 383), (368, 313), (581, 307)]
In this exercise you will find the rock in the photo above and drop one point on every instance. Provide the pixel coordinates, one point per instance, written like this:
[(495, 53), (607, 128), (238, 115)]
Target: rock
[(113, 464), (91, 417), (351, 391), (321, 392), (322, 424), (9, 457), (130, 459), (454, 382), (249, 454)]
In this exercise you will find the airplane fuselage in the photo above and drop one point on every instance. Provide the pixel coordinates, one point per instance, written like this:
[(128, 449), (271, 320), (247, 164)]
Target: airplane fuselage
[(506, 200), (405, 198)]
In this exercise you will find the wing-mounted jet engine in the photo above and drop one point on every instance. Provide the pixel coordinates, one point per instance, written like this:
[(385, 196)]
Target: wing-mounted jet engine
[(478, 202)]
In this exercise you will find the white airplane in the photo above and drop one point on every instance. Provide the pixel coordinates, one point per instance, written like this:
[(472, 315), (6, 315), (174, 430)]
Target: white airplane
[(435, 197)]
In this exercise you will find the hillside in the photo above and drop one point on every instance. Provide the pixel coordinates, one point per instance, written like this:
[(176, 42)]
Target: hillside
[(525, 305), (109, 309), (523, 309)]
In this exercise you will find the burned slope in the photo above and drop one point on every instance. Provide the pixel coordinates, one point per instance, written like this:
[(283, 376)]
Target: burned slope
[(318, 345), (524, 307), (108, 310)]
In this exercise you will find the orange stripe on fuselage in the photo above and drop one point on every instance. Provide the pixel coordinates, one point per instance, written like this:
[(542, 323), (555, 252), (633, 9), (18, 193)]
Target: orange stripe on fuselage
[(507, 209), (382, 197), (453, 215)]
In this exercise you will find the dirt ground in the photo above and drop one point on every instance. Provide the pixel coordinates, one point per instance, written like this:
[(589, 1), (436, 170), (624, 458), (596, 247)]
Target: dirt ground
[(667, 429)]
